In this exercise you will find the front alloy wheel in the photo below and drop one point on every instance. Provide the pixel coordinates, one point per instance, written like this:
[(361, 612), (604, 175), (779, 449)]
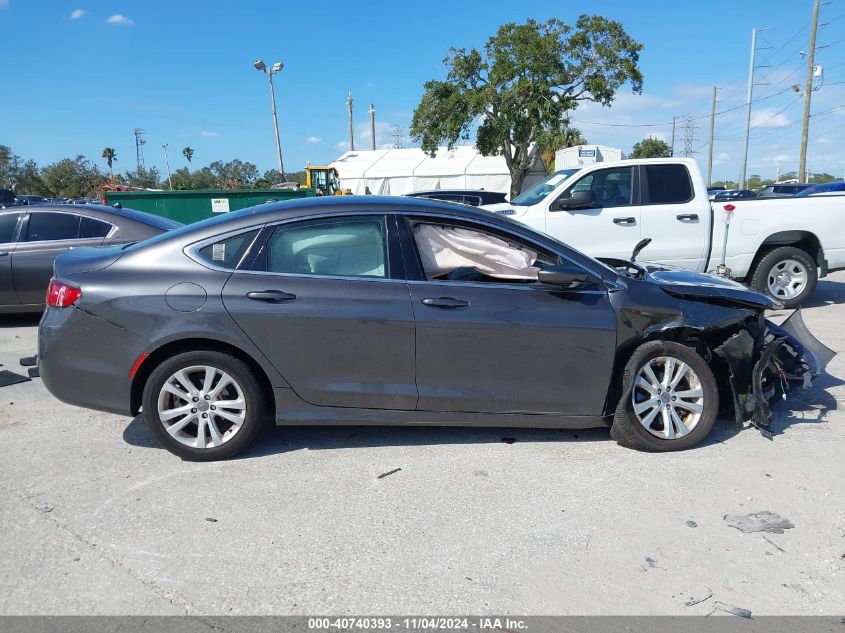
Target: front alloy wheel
[(670, 399), (667, 397)]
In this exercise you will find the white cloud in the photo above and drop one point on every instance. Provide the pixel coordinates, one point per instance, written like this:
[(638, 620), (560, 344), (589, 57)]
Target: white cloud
[(4, 4), (369, 84), (724, 156), (76, 14), (768, 117), (209, 134), (341, 146), (824, 140), (313, 139), (119, 18)]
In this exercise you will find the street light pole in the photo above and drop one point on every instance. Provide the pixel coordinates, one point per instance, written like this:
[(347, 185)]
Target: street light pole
[(167, 162), (260, 65)]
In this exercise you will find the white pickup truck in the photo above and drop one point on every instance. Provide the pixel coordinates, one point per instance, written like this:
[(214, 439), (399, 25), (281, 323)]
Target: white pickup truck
[(779, 246)]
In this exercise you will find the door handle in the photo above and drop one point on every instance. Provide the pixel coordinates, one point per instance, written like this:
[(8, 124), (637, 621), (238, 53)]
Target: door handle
[(445, 302), (624, 220), (687, 216), (271, 296)]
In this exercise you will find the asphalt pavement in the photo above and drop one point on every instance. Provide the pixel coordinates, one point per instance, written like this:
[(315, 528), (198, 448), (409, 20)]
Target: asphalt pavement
[(97, 519)]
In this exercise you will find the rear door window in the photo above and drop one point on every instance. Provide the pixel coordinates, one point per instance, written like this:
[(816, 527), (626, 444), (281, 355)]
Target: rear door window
[(52, 226), (667, 184), (343, 247)]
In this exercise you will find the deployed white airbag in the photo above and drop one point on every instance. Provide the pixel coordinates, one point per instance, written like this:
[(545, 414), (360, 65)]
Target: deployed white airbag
[(444, 248)]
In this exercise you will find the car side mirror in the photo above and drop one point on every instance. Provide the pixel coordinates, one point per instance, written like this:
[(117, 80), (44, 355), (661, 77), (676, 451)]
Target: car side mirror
[(567, 275), (576, 200)]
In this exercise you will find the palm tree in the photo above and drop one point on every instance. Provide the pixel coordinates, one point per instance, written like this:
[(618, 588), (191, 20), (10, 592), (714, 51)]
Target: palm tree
[(110, 155), (188, 153)]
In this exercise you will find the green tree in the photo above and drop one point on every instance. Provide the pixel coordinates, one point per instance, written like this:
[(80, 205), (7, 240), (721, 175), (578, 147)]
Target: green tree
[(518, 90), (566, 136), (144, 178), (822, 177), (651, 148), (29, 181), (188, 153), (235, 174), (72, 178), (110, 154), (9, 167)]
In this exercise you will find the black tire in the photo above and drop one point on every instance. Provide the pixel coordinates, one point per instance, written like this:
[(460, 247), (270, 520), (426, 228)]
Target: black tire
[(253, 396), (768, 265), (627, 429)]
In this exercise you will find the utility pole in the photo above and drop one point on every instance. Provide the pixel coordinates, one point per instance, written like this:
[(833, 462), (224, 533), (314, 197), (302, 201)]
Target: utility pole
[(808, 91), (712, 130), (748, 105), (275, 68), (167, 162), (139, 148), (351, 126), (673, 136), (373, 125)]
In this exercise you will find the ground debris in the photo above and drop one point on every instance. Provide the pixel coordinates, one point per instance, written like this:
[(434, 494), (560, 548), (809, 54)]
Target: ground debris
[(33, 372), (44, 507), (742, 613), (693, 601), (29, 361), (388, 473), (759, 522), (692, 524), (211, 520)]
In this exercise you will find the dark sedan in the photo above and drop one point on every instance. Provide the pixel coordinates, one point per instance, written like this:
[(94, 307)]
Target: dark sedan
[(31, 237), (378, 310)]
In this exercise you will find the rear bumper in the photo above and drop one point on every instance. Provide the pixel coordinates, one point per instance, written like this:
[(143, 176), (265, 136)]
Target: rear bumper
[(85, 360)]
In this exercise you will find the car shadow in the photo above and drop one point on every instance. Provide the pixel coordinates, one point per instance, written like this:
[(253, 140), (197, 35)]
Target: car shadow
[(828, 292), (275, 440), (19, 320)]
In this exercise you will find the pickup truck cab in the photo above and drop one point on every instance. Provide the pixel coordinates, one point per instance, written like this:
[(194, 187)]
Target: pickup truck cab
[(778, 246)]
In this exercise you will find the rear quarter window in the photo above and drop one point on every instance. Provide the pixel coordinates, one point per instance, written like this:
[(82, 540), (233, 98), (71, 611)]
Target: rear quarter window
[(228, 252)]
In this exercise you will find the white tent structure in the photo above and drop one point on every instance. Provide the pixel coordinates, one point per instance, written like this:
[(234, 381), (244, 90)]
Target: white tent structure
[(400, 171)]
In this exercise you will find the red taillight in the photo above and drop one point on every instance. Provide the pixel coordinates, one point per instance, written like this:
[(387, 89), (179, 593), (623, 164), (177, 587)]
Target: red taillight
[(61, 295)]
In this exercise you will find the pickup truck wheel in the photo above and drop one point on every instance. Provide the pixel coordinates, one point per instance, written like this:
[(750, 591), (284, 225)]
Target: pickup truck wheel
[(787, 274), (670, 399)]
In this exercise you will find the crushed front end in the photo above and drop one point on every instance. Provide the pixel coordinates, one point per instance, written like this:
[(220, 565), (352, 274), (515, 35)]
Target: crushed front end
[(764, 362)]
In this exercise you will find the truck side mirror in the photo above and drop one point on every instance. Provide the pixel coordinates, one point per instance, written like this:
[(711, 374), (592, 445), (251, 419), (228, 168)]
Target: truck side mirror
[(585, 199)]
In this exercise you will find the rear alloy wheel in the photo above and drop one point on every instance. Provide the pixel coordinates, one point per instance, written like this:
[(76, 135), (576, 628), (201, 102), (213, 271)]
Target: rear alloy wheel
[(203, 405), (787, 274), (671, 399)]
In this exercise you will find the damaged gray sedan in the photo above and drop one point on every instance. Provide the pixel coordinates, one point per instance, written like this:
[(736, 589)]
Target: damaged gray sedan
[(389, 311)]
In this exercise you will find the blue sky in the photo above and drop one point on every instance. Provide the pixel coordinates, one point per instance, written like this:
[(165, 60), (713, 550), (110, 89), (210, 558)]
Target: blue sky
[(76, 78)]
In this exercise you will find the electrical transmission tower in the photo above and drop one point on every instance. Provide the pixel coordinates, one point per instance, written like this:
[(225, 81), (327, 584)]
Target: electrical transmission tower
[(139, 147), (689, 136), (398, 133)]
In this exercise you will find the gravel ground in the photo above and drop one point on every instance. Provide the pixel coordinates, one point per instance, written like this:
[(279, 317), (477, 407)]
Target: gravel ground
[(97, 519)]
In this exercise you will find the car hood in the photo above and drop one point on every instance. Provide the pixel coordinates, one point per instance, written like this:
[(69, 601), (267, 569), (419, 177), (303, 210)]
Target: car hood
[(700, 287)]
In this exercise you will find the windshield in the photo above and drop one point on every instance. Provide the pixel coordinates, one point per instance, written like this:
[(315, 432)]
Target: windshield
[(543, 188), (821, 188)]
